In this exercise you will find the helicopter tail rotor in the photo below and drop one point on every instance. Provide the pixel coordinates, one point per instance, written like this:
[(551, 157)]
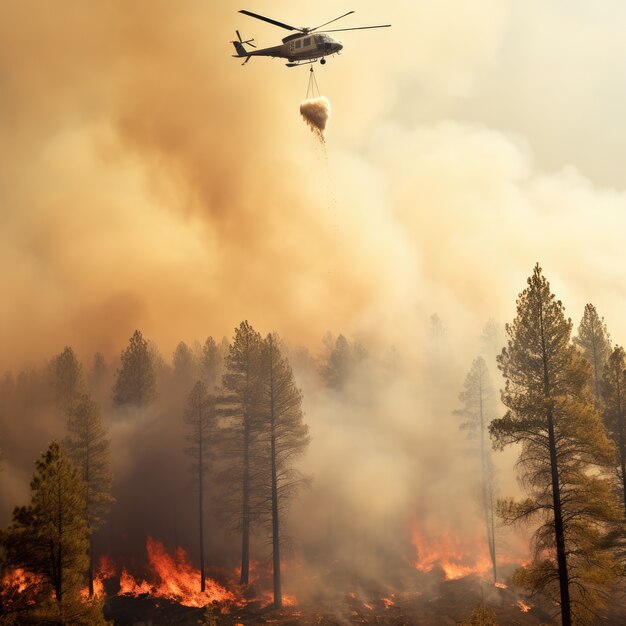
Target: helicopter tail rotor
[(246, 41)]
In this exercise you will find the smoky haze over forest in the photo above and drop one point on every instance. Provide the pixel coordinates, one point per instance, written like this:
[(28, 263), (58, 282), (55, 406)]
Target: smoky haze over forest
[(149, 182)]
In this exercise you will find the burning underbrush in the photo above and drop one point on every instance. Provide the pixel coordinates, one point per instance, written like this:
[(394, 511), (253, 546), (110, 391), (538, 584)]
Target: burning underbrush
[(442, 587), (174, 578)]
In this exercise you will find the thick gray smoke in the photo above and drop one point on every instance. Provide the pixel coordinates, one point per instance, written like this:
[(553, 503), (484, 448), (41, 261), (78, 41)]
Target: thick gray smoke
[(316, 112)]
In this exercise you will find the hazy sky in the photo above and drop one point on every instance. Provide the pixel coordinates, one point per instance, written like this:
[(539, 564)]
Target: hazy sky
[(147, 180)]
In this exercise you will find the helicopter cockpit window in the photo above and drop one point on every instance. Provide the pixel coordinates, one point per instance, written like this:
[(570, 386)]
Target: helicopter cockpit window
[(307, 42), (298, 43)]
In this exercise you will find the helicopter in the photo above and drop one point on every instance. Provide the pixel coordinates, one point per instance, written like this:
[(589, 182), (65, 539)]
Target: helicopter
[(307, 45)]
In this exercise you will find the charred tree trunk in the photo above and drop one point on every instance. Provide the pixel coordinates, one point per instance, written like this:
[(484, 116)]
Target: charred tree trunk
[(278, 596), (566, 616), (245, 518), (200, 502), (90, 573), (58, 558), (487, 492)]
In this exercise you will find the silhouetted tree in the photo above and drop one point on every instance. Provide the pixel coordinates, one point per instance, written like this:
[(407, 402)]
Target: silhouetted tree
[(87, 446), (341, 360), (478, 410), (614, 409), (593, 339), (66, 377), (490, 340), (49, 538), (136, 380), (98, 370), (564, 455), (286, 437), (242, 384), (200, 417), (184, 363), (437, 329), (212, 362)]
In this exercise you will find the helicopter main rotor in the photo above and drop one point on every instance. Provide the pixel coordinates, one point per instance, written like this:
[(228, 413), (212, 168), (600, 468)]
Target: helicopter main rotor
[(306, 30)]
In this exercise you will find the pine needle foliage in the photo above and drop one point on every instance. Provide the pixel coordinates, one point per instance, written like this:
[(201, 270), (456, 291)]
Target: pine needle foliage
[(135, 384), (87, 445), (240, 412), (594, 341), (284, 437), (49, 539), (564, 459)]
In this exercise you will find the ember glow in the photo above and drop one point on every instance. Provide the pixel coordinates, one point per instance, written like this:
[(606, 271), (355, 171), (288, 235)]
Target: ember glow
[(174, 578), (104, 571), (523, 606), (18, 581), (455, 555)]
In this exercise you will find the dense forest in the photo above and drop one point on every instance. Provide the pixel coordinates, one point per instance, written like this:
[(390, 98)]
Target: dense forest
[(273, 474)]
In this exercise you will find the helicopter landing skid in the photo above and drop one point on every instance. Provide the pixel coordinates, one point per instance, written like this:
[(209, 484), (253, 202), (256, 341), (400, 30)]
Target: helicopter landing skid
[(297, 63)]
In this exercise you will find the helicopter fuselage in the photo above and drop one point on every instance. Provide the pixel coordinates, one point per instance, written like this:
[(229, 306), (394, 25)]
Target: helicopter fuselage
[(296, 48)]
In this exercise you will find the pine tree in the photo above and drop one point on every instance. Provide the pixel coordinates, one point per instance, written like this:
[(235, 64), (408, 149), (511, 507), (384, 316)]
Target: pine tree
[(241, 381), (136, 380), (66, 377), (286, 437), (478, 410), (49, 538), (200, 417), (593, 339), (490, 340), (342, 358), (212, 361), (563, 460), (87, 446), (614, 408), (184, 363)]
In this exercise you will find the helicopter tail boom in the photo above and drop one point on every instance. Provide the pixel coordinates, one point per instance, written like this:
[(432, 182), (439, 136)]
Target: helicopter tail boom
[(241, 51)]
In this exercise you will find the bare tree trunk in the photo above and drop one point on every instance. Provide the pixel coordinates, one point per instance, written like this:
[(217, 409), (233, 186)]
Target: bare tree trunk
[(200, 504), (487, 499), (90, 573), (566, 616), (245, 525), (278, 596)]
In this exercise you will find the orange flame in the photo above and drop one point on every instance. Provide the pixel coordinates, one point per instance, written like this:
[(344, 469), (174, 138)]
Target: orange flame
[(388, 602), (523, 606), (176, 580), (19, 581), (104, 570), (456, 555)]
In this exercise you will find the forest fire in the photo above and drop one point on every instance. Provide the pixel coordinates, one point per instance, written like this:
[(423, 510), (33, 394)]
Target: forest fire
[(456, 557), (174, 579), (523, 607), (18, 581)]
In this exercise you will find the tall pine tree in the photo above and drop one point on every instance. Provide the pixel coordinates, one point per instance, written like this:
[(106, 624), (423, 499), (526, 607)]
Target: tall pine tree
[(200, 418), (87, 445), (239, 439), (286, 437), (614, 409), (564, 456), (49, 539), (593, 339), (478, 410), (136, 379), (66, 377)]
